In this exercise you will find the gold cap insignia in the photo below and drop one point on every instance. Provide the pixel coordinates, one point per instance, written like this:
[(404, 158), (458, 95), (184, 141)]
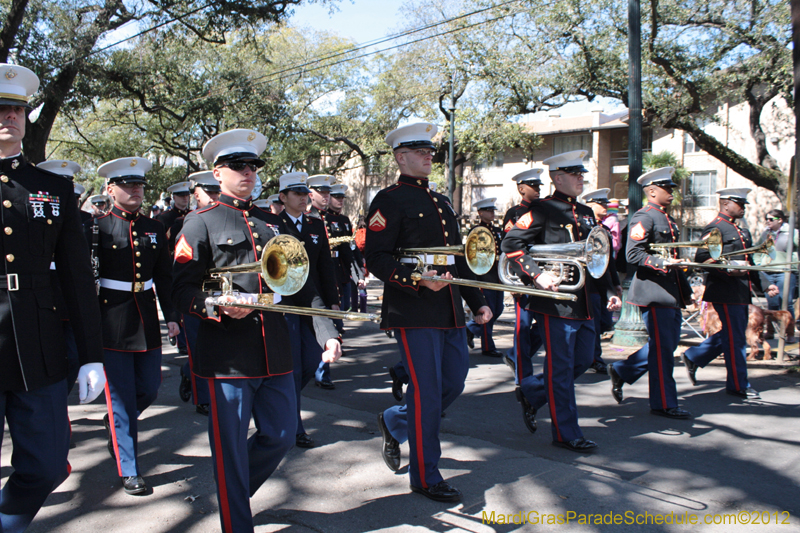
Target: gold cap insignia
[(63, 164), (10, 74), (429, 128), (134, 162), (251, 136)]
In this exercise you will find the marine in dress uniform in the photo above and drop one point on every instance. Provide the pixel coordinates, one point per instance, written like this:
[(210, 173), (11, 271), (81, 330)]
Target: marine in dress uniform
[(173, 221), (597, 199), (661, 290), (99, 204), (205, 189), (427, 317), (729, 291), (566, 327), (245, 355), (526, 337), (347, 258), (494, 299), (68, 169), (320, 196), (41, 224), (133, 256), (309, 334), (274, 204)]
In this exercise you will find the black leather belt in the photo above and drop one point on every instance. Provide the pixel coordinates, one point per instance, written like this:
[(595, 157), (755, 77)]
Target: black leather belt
[(15, 282)]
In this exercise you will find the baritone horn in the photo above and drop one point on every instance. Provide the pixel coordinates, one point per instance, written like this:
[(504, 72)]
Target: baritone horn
[(479, 251), (284, 268), (565, 261), (713, 243)]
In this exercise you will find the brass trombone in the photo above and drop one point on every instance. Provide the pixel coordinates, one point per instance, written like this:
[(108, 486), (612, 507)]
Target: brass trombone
[(713, 243), (766, 248), (284, 268), (479, 251)]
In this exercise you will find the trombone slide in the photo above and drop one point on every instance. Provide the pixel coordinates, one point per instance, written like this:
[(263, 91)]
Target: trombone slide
[(521, 289), (265, 303)]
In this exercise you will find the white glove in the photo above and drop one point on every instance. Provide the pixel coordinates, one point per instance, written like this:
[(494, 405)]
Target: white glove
[(91, 382)]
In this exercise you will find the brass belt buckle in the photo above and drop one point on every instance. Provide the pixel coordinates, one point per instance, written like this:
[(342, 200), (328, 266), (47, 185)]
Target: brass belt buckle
[(138, 286), (439, 259)]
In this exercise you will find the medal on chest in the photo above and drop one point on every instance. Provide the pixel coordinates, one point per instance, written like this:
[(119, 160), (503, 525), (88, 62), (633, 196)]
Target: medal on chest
[(314, 238), (38, 202), (152, 237)]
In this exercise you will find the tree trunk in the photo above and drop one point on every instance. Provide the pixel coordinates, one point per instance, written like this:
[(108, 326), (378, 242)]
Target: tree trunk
[(8, 33)]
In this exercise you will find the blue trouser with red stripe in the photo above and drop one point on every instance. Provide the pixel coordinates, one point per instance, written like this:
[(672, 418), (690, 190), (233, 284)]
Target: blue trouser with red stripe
[(569, 345), (664, 327), (526, 341), (242, 465), (731, 340), (306, 357), (597, 316), (191, 325), (132, 385), (39, 428), (494, 299), (437, 361)]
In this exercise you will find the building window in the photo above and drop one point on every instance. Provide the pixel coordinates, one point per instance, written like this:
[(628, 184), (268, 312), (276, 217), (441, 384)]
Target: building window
[(573, 142), (374, 166), (701, 189), (497, 162), (689, 147)]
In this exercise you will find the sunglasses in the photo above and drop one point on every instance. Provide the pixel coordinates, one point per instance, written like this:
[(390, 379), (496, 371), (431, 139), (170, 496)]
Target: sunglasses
[(238, 166), (422, 152), (773, 219), (338, 196)]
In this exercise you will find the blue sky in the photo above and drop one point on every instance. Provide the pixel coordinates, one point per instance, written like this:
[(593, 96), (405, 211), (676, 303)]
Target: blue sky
[(360, 20)]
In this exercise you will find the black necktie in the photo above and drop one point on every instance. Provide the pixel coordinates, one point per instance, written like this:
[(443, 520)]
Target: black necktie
[(299, 225)]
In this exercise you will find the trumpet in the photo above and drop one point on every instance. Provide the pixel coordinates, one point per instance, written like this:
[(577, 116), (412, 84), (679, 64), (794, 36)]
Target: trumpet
[(713, 243), (284, 268), (336, 241), (479, 251), (562, 261)]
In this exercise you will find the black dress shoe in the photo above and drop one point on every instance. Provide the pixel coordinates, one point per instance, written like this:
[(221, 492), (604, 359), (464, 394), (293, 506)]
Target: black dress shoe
[(202, 408), (391, 448), (303, 440), (397, 385), (749, 393), (173, 341), (183, 351), (492, 353), (185, 388), (389, 333), (110, 443), (616, 383), (599, 367), (528, 412), (325, 384), (578, 445), (470, 340), (673, 412), (509, 363), (691, 368), (134, 485), (441, 492)]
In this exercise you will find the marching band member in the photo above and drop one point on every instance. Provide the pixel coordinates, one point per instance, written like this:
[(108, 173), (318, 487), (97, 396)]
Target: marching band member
[(494, 299), (309, 334), (180, 199), (427, 316), (41, 224), (205, 189), (565, 327), (133, 255), (347, 258), (99, 204), (245, 355), (274, 204), (598, 201), (661, 289), (729, 291)]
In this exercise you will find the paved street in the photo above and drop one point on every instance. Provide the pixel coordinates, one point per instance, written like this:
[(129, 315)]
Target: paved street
[(733, 456)]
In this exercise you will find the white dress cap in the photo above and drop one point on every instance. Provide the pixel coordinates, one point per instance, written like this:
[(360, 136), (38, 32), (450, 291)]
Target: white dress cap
[(660, 176), (180, 187), (99, 198), (597, 196), (320, 181), (79, 189), (17, 85), (235, 145), (339, 188), (262, 203), (737, 194), (529, 177), (274, 199), (568, 161), (61, 167), (417, 135), (205, 180), (293, 181), (486, 203), (125, 170)]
